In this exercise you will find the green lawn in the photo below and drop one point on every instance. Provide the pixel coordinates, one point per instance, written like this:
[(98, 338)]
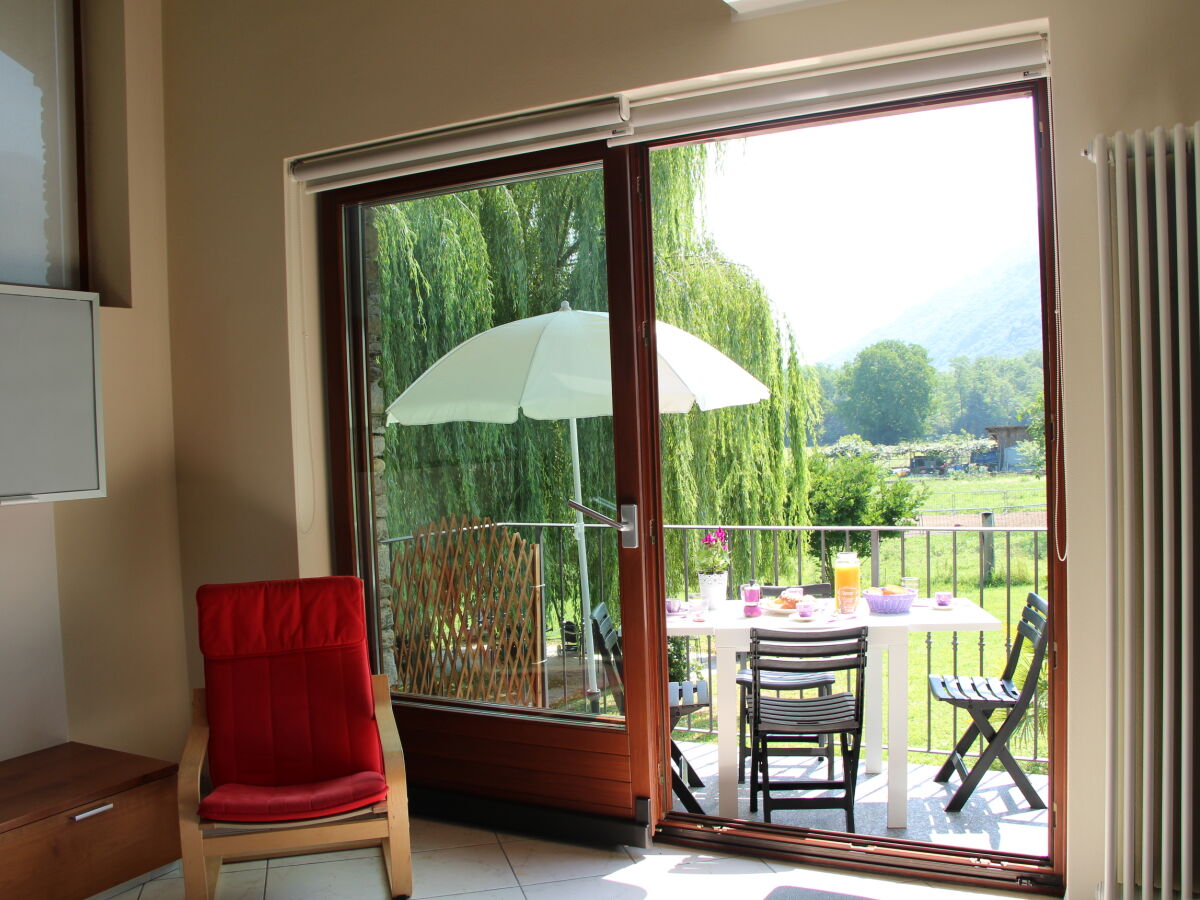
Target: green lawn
[(984, 491)]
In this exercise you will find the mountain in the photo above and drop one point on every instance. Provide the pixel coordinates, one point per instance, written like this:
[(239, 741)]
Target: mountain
[(994, 313)]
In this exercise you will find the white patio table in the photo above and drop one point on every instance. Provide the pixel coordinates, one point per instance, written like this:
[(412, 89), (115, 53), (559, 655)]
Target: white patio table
[(730, 631)]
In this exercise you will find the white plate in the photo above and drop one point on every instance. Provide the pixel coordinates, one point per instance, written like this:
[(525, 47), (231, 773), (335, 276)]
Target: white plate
[(774, 611), (811, 620), (953, 603)]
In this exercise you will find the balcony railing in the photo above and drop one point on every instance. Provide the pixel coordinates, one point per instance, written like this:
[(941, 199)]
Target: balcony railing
[(994, 566)]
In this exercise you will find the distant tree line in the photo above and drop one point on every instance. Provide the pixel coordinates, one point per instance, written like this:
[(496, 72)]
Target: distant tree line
[(890, 393)]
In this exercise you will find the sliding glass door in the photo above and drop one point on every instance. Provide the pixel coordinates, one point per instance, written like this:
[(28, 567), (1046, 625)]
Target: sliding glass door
[(569, 392)]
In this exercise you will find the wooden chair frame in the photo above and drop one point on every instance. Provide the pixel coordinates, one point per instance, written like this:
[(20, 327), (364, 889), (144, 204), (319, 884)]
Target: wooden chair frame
[(205, 844)]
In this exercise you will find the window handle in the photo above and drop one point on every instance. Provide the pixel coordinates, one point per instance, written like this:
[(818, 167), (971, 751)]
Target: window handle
[(628, 526)]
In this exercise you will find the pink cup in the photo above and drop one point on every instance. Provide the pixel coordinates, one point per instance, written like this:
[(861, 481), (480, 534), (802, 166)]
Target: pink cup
[(943, 598), (804, 610)]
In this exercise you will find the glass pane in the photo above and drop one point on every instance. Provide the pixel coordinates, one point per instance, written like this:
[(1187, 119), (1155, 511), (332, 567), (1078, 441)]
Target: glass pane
[(39, 241), (881, 277), (489, 584)]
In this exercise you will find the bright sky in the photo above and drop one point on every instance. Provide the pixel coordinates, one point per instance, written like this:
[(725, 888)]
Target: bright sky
[(849, 224)]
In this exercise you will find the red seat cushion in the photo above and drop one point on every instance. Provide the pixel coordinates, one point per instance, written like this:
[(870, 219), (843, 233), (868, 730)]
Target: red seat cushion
[(234, 802)]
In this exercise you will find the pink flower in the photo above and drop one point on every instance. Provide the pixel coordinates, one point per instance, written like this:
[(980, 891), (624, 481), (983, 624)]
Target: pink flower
[(714, 555)]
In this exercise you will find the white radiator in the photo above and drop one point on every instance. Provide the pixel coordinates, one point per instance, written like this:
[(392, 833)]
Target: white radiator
[(1148, 247)]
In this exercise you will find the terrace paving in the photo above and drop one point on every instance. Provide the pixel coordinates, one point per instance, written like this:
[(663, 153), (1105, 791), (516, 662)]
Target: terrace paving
[(995, 818)]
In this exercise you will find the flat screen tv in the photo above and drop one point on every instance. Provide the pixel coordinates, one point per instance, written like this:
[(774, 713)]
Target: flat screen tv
[(51, 426)]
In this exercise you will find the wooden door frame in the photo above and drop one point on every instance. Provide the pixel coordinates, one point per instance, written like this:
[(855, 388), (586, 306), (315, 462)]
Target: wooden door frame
[(597, 744), (634, 343), (893, 856)]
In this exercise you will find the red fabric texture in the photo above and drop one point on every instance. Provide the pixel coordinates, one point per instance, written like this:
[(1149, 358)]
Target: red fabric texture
[(288, 687), (265, 617), (249, 803)]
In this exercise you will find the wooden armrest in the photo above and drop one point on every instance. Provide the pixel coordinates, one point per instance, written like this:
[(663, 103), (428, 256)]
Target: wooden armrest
[(389, 735), (397, 849), (192, 763)]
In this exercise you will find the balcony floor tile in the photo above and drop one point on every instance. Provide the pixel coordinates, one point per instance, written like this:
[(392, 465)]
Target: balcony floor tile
[(995, 818)]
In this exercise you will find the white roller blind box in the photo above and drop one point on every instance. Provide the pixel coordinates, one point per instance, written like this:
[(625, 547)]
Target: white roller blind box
[(815, 90), (720, 101), (472, 142)]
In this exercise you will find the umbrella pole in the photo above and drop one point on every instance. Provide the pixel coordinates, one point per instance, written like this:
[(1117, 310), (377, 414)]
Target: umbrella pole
[(585, 593)]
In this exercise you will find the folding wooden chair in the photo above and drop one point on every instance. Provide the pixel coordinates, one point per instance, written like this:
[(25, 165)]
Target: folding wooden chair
[(982, 697), (682, 699)]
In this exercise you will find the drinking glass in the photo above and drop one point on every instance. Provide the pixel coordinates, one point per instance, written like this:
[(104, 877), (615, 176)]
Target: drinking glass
[(847, 597), (911, 583)]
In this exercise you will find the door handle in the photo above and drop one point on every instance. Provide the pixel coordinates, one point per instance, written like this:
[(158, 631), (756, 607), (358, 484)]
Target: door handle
[(628, 526)]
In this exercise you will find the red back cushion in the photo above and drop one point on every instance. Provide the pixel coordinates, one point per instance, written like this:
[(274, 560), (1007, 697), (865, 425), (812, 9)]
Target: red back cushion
[(288, 681)]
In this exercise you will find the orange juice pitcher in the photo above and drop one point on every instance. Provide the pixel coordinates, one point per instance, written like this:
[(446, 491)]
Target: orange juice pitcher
[(845, 575)]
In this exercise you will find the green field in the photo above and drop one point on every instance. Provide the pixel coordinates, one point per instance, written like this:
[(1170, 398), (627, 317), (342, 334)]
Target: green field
[(984, 492)]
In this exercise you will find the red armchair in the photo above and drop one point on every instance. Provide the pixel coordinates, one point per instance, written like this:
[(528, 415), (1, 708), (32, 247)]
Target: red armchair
[(302, 748)]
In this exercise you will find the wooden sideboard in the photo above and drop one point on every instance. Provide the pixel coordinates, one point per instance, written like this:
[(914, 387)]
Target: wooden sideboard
[(76, 820)]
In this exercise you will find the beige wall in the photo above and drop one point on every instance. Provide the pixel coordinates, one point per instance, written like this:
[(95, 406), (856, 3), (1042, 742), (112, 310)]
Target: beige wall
[(250, 83), (33, 699), (118, 557)]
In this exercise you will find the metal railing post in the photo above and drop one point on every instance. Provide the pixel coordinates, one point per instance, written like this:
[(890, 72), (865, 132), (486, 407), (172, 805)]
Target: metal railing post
[(989, 548), (875, 557)]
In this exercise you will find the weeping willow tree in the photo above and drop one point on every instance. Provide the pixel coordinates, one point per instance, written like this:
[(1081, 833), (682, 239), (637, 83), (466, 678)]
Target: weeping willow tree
[(742, 465), (443, 268), (446, 268)]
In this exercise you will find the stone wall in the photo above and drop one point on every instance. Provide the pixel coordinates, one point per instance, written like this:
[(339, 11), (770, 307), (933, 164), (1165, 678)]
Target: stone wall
[(377, 404)]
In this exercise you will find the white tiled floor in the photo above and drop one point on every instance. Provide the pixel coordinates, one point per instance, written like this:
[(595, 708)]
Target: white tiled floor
[(476, 864)]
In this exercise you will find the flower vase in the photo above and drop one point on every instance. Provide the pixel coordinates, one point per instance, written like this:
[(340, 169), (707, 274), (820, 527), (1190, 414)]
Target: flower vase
[(714, 587)]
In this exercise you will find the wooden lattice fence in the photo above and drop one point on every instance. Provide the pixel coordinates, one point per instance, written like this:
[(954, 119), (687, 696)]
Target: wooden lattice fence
[(467, 603)]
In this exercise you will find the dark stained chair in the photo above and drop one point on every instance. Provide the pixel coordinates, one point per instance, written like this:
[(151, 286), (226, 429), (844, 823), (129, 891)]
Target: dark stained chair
[(821, 682), (790, 720), (608, 643), (983, 697)]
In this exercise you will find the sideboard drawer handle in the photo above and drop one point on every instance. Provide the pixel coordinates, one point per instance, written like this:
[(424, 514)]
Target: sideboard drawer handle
[(79, 817)]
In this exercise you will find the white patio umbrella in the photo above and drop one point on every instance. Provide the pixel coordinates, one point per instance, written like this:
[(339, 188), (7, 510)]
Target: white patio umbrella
[(556, 366)]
